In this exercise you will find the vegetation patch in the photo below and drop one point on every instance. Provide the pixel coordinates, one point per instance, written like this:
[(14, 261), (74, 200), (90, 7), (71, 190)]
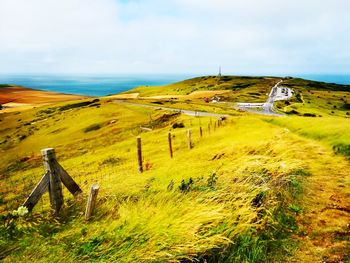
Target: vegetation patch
[(93, 127), (77, 105), (5, 86), (343, 149)]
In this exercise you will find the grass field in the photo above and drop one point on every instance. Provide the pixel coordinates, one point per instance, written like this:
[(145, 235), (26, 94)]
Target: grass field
[(257, 189)]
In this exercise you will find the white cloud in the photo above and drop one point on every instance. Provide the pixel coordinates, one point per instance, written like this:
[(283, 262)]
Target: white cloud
[(179, 36)]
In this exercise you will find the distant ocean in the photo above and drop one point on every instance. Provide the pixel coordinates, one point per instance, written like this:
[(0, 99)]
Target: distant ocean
[(89, 85), (338, 79), (105, 85)]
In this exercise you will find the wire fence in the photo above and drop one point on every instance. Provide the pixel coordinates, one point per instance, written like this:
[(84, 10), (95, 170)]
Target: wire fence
[(105, 177)]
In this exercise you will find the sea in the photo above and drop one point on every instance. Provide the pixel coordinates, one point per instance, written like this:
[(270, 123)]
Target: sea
[(102, 85)]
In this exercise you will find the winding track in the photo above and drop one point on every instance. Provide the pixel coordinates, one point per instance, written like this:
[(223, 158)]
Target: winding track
[(267, 107), (186, 112)]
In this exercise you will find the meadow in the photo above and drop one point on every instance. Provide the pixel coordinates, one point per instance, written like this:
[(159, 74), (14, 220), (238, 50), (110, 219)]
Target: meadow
[(248, 191)]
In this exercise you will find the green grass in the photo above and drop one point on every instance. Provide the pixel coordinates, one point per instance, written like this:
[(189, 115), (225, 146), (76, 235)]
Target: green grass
[(234, 197), (316, 99), (239, 88), (331, 131)]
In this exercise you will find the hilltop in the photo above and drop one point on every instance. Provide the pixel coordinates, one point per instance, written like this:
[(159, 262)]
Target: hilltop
[(254, 189)]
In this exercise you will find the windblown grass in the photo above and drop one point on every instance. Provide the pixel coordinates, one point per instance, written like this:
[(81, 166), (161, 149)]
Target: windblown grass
[(241, 180)]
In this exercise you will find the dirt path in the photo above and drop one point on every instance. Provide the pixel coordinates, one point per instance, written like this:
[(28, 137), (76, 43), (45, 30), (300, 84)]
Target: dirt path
[(267, 107), (324, 224), (186, 112)]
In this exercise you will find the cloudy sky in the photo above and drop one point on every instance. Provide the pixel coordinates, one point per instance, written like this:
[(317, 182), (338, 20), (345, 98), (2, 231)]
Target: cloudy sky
[(175, 36)]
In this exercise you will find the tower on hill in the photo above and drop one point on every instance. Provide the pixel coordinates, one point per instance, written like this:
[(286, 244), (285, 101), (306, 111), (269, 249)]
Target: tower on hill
[(219, 75)]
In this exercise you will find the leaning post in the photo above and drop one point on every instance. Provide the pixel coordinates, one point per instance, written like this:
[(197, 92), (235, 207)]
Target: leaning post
[(55, 186)]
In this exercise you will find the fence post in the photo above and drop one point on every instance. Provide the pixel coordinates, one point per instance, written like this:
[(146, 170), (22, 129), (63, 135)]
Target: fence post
[(214, 125), (170, 145), (91, 203), (139, 154), (55, 187), (189, 139), (200, 132), (208, 128)]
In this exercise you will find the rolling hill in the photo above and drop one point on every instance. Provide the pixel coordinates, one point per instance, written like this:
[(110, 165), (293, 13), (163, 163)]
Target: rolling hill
[(254, 189)]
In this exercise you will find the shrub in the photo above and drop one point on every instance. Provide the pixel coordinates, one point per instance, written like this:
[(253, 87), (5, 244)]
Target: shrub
[(178, 125), (346, 106), (92, 127), (309, 115), (341, 148), (293, 112), (77, 105), (185, 186)]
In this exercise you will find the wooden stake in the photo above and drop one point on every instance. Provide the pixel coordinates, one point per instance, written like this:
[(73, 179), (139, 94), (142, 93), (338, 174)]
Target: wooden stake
[(170, 145), (200, 132), (68, 181), (214, 125), (38, 191), (91, 203), (189, 139), (208, 128), (55, 187), (139, 154)]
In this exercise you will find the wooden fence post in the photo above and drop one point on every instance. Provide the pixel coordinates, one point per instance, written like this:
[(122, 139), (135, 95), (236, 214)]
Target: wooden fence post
[(139, 154), (170, 145), (208, 128), (189, 139), (91, 203), (37, 192), (55, 186), (214, 125), (200, 132)]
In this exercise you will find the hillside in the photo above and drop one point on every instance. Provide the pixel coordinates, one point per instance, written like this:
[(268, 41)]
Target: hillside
[(15, 98), (311, 98), (255, 189)]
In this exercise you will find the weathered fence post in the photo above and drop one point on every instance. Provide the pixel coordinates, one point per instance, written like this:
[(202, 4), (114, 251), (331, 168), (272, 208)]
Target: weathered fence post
[(139, 154), (189, 139), (51, 181), (170, 145), (55, 187), (214, 125), (200, 132), (91, 203), (208, 128)]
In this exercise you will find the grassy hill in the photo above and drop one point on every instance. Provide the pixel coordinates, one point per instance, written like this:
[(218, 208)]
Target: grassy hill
[(256, 189), (311, 98), (238, 88)]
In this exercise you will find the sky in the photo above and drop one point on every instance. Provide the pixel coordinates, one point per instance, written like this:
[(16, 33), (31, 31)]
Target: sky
[(276, 37)]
